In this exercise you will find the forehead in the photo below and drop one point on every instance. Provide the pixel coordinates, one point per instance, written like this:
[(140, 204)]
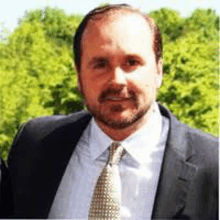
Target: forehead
[(127, 28)]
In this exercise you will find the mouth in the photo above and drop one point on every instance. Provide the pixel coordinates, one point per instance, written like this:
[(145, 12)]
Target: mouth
[(116, 96), (116, 99)]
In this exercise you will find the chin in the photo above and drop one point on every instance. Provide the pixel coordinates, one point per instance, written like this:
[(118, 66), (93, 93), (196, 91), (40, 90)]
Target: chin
[(121, 120), (118, 116)]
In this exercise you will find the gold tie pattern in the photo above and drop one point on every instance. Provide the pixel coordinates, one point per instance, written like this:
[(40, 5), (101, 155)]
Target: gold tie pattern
[(106, 201)]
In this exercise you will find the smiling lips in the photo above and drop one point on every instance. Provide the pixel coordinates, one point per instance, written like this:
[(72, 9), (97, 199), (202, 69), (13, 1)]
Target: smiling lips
[(117, 98), (116, 95)]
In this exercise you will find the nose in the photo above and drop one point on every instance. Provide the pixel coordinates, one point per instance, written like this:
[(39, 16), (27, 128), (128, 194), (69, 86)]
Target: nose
[(118, 77)]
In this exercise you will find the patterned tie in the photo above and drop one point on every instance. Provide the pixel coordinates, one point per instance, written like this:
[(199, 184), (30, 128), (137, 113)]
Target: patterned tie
[(106, 201)]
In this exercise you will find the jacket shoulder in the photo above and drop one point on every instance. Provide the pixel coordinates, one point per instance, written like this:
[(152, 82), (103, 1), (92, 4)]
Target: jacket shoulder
[(204, 139), (195, 141), (42, 126), (47, 131), (206, 148)]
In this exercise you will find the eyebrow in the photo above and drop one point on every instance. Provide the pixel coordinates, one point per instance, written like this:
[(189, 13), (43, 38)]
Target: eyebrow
[(97, 59)]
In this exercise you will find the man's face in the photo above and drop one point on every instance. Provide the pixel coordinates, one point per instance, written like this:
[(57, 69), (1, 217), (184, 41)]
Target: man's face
[(119, 76)]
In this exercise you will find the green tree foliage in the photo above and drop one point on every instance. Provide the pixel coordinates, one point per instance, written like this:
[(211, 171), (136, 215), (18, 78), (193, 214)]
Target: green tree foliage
[(190, 88), (169, 22), (37, 75)]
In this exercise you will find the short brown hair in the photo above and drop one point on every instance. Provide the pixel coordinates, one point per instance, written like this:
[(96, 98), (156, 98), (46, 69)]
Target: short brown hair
[(157, 39)]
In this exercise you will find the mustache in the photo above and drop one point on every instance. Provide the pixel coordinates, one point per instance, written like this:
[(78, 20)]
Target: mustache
[(116, 92)]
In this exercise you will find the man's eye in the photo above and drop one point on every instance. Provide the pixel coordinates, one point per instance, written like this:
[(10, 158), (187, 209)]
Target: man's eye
[(100, 65), (132, 62)]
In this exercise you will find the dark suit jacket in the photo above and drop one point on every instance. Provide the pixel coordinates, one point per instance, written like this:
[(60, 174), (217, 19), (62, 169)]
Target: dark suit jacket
[(6, 205), (188, 184)]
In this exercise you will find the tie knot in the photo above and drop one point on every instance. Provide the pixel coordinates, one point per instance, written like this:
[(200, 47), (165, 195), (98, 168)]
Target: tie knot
[(115, 154)]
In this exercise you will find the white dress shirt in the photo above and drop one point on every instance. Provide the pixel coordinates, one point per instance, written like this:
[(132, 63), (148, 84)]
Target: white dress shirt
[(139, 170)]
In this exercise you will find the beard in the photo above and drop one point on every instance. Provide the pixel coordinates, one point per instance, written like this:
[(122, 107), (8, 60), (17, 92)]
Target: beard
[(102, 117), (105, 114)]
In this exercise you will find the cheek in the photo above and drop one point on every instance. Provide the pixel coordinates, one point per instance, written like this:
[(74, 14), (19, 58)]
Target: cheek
[(91, 90), (149, 81), (141, 82), (144, 87), (144, 76)]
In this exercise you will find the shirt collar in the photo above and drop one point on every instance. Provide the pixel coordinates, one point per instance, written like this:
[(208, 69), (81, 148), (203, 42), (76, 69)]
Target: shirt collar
[(144, 142), (98, 140), (138, 145)]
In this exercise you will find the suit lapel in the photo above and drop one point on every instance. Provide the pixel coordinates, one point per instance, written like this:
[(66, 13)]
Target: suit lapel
[(176, 173)]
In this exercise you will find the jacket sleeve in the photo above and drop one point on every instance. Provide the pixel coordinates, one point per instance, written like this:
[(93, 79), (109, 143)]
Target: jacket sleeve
[(6, 204)]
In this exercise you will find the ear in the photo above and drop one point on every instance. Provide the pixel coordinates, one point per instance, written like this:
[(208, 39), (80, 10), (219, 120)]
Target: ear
[(78, 79), (79, 87), (159, 76)]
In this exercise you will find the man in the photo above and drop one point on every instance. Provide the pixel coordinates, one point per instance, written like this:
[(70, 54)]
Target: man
[(165, 170)]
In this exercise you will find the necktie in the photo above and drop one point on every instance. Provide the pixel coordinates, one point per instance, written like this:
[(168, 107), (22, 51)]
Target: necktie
[(106, 201)]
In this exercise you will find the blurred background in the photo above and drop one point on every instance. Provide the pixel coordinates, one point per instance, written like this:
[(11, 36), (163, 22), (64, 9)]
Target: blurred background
[(37, 75)]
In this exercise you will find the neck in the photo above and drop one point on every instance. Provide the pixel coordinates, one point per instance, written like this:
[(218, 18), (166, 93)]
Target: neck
[(121, 134)]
